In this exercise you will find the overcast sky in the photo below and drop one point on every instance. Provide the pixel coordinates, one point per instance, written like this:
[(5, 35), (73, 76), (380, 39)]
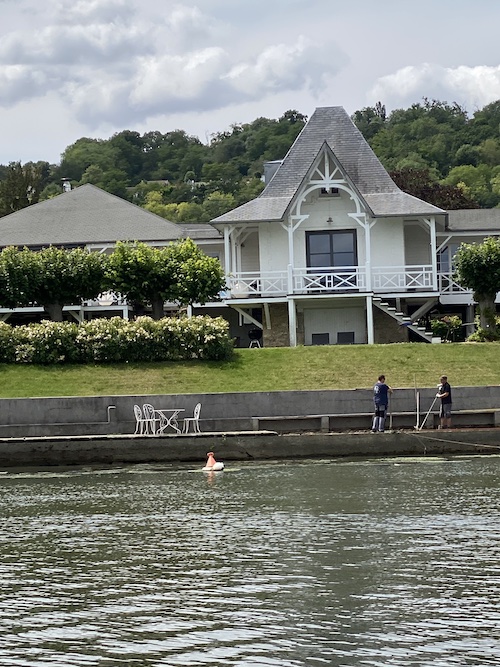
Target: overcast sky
[(76, 68)]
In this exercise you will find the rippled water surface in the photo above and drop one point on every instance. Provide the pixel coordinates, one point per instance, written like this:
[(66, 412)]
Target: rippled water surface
[(383, 563)]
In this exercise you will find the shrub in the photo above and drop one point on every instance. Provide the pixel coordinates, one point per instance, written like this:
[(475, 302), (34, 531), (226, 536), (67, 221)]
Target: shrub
[(485, 334), (116, 340), (46, 343), (448, 328), (7, 344)]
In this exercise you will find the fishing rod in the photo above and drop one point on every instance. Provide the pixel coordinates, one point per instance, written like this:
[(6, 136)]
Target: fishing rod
[(419, 428)]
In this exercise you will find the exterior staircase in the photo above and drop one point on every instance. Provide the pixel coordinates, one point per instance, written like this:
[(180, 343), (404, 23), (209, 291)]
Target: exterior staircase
[(404, 320)]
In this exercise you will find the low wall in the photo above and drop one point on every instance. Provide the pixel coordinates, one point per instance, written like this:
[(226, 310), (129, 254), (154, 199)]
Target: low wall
[(234, 447), (105, 415)]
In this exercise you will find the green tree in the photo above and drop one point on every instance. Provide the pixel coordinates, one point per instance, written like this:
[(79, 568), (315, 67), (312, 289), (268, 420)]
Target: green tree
[(191, 212), (66, 277), (419, 183), (50, 191), (17, 276), (218, 203), (86, 152), (129, 149), (180, 273), (52, 277), (478, 269), (223, 178), (21, 186), (370, 120), (434, 130), (478, 181)]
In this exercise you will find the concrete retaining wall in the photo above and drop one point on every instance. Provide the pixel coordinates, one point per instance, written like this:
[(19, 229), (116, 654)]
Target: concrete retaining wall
[(103, 415)]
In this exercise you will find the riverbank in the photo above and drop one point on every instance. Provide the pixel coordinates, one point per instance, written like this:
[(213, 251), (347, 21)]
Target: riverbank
[(241, 446)]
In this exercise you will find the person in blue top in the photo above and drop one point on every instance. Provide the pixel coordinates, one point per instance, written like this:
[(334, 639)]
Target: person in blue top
[(381, 392)]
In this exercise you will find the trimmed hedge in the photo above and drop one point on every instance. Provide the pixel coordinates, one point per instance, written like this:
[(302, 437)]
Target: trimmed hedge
[(116, 340)]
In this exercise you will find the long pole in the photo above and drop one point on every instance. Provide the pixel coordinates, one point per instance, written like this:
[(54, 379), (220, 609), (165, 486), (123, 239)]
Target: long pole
[(428, 413)]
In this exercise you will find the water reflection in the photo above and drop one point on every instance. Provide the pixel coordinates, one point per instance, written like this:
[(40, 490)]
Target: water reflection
[(392, 562)]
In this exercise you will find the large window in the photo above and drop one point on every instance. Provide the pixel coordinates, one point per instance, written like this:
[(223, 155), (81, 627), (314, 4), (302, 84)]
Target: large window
[(331, 248)]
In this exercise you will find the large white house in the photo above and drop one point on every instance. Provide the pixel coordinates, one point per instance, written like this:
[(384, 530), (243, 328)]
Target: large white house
[(333, 252)]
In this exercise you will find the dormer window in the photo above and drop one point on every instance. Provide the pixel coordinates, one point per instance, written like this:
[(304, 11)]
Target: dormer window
[(330, 192)]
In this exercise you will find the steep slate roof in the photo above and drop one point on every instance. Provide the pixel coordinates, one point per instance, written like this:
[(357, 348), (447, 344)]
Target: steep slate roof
[(84, 215), (333, 126), (474, 220)]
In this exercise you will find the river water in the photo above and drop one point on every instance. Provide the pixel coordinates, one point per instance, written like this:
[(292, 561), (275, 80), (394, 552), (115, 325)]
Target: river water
[(390, 562)]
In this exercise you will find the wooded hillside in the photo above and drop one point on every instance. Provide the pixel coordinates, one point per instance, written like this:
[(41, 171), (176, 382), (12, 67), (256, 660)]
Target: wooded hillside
[(434, 150)]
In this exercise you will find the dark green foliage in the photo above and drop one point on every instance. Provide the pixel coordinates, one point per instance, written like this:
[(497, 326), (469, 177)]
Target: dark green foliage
[(439, 138), (20, 185), (418, 182), (460, 154)]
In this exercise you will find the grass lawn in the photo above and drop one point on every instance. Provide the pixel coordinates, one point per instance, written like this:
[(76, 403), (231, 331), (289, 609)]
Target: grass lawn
[(270, 369)]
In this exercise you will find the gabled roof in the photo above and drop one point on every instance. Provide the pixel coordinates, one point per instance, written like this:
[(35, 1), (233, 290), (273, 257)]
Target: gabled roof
[(84, 215), (330, 125)]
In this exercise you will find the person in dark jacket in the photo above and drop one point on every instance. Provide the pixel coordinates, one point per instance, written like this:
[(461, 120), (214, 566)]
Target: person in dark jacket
[(444, 393), (381, 392)]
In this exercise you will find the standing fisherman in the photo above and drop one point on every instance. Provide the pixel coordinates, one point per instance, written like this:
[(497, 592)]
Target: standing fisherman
[(381, 392), (444, 393)]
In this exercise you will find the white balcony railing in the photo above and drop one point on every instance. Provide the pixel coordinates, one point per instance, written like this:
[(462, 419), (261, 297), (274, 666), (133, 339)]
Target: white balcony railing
[(255, 283), (447, 285), (401, 278), (319, 280), (328, 279)]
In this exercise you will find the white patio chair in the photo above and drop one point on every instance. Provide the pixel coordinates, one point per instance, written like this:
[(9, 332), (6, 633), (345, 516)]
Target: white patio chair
[(150, 419), (194, 420), (140, 423)]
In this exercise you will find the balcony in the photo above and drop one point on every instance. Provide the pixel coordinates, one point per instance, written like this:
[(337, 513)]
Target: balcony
[(330, 280)]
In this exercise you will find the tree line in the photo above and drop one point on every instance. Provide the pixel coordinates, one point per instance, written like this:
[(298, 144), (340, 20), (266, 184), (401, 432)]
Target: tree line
[(53, 278), (433, 150)]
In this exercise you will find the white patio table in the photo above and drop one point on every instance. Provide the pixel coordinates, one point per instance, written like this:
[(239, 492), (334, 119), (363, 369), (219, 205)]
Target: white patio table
[(168, 419)]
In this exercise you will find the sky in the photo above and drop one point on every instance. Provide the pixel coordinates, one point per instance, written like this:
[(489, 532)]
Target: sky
[(91, 68)]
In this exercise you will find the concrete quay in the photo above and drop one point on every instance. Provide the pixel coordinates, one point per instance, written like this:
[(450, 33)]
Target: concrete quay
[(241, 446), (244, 426)]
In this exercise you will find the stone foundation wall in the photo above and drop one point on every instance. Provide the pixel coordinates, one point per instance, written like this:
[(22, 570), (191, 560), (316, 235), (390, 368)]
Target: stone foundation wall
[(278, 335), (387, 329)]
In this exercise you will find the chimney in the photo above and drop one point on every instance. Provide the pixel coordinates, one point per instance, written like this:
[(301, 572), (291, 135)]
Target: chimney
[(270, 168)]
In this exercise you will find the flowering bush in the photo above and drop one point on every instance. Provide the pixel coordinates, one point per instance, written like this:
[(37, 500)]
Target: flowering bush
[(46, 343), (116, 340), (7, 344)]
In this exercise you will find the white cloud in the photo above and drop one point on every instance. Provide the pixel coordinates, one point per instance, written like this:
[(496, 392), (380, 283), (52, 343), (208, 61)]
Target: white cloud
[(113, 64), (471, 87), (73, 45), (283, 66), (175, 79)]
